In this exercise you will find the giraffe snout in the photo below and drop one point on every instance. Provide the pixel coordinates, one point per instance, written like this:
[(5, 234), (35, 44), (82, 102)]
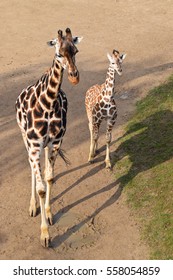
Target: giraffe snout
[(73, 74), (73, 77)]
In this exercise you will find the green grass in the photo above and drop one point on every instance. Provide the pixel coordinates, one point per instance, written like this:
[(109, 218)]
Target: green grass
[(144, 168)]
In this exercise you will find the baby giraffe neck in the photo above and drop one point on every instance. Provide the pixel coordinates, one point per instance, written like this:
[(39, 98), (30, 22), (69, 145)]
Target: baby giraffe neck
[(110, 82)]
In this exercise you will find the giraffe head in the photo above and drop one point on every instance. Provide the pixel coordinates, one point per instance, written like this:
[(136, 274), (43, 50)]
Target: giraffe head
[(116, 61), (65, 51)]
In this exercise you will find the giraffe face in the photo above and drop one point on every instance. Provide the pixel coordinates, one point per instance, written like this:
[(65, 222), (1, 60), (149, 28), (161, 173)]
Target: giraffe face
[(116, 61), (65, 49), (68, 50)]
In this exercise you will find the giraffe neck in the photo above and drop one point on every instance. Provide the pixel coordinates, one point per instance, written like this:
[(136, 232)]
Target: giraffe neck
[(51, 84), (110, 82)]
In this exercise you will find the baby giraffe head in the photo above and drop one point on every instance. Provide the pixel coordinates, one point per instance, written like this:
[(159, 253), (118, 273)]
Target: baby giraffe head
[(116, 61), (65, 51)]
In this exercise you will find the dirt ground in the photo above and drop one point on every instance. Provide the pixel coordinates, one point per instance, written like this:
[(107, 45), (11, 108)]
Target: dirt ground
[(92, 220)]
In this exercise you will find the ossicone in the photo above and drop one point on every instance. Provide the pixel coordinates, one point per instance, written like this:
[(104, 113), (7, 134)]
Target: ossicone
[(60, 33), (115, 52)]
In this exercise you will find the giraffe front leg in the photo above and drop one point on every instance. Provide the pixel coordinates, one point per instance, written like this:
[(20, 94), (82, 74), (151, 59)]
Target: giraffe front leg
[(91, 152), (94, 132), (107, 159), (49, 181), (34, 158), (48, 210), (108, 141), (50, 157), (45, 237), (33, 201)]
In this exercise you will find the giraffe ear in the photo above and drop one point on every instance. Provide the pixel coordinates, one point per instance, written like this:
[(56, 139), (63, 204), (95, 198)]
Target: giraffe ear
[(52, 43), (122, 57), (110, 58), (77, 40)]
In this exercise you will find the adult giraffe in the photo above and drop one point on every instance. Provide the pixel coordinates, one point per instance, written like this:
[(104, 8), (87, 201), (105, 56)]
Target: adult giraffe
[(41, 115)]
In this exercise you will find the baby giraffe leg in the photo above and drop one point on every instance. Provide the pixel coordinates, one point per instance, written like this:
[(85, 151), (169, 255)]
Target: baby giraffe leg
[(107, 159), (108, 141), (96, 137), (94, 134), (91, 153)]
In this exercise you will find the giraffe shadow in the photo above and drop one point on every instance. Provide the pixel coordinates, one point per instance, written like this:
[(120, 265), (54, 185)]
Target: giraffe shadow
[(148, 144), (88, 174), (59, 239), (102, 149), (58, 176)]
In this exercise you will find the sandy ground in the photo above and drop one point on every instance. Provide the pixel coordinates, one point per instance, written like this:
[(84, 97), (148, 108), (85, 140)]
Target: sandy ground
[(92, 220)]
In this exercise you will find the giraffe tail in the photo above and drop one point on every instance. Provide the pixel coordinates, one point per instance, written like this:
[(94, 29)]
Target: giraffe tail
[(64, 157)]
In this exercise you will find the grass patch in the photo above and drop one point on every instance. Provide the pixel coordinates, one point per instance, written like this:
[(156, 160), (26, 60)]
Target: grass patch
[(144, 167)]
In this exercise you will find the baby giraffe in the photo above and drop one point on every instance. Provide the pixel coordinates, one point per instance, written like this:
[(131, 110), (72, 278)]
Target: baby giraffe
[(100, 104)]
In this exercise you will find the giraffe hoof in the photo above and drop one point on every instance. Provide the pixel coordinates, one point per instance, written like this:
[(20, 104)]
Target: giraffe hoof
[(33, 213), (50, 221), (108, 166), (45, 242), (45, 238), (49, 216), (33, 210)]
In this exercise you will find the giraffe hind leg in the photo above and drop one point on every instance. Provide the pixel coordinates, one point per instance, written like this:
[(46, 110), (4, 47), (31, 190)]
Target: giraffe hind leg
[(94, 135)]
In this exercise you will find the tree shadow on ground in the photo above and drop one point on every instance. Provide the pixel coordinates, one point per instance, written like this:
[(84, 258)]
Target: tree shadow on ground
[(147, 144), (151, 144)]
